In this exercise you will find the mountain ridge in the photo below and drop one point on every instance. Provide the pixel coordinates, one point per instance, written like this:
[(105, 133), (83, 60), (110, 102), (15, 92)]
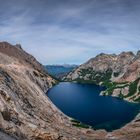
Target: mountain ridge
[(112, 71), (59, 71)]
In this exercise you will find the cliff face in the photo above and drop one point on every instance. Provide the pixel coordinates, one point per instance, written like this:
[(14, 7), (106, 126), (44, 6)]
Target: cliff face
[(119, 73), (25, 111)]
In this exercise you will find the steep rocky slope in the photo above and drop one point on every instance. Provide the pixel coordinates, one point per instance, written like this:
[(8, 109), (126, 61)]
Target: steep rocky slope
[(25, 111), (119, 73)]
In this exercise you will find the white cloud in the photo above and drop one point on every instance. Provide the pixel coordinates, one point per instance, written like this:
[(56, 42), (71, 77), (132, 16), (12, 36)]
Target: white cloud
[(59, 41)]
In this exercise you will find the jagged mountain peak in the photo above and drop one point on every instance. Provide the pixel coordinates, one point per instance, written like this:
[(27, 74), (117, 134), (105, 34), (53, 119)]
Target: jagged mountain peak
[(18, 53), (138, 53), (126, 54), (18, 46), (9, 46)]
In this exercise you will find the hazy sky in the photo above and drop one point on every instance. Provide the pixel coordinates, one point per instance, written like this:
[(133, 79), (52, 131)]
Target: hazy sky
[(71, 31)]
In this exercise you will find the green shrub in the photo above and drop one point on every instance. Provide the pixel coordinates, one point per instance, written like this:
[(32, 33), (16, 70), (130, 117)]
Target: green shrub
[(79, 124), (95, 77), (116, 74), (121, 95), (133, 88)]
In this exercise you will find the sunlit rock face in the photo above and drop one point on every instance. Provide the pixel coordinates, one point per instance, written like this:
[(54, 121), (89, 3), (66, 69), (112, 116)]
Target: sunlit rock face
[(119, 73)]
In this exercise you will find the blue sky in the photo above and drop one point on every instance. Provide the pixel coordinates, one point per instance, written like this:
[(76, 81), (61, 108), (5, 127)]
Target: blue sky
[(71, 31)]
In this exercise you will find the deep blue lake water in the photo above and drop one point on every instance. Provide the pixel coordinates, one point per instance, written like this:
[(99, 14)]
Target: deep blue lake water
[(82, 102)]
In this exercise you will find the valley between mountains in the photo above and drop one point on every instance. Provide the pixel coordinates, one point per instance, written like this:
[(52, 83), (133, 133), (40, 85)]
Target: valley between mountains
[(26, 113)]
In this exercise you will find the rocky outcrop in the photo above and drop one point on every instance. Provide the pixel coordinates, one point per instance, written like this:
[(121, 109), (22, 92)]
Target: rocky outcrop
[(119, 73)]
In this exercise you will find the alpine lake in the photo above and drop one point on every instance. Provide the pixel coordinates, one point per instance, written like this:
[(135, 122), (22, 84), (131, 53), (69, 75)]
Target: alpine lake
[(83, 103)]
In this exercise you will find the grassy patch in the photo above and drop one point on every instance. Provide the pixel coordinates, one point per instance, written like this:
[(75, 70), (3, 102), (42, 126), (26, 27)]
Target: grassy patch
[(121, 95), (79, 80), (79, 124), (116, 74), (113, 85), (94, 77), (137, 100), (110, 87), (75, 121), (132, 88), (139, 89)]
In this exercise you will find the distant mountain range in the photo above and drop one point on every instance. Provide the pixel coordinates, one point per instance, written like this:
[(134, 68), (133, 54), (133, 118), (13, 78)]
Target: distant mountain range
[(59, 71)]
